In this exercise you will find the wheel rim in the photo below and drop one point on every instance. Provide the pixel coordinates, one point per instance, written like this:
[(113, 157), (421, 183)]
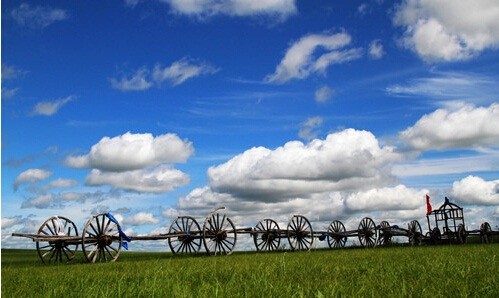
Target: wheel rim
[(219, 234), (57, 251), (367, 232), (336, 237), (300, 234), (385, 234), (101, 239), (415, 233), (266, 235), (188, 239)]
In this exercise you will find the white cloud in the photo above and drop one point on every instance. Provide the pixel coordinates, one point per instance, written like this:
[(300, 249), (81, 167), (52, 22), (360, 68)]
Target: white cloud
[(177, 73), (31, 176), (59, 183), (49, 108), (345, 160), (448, 30), (180, 71), (466, 127), (309, 128), (141, 218), (324, 94), (376, 49), (37, 17), (299, 61), (473, 190), (139, 81), (387, 198), (133, 151), (206, 8), (9, 222), (471, 87), (158, 179), (40, 202)]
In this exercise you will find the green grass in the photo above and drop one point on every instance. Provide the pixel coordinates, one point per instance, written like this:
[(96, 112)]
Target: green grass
[(429, 271)]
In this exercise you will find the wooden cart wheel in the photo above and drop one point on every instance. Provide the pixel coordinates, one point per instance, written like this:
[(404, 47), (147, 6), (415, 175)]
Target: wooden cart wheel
[(367, 232), (188, 239), (336, 234), (101, 239), (300, 234), (266, 235), (435, 235), (219, 234), (462, 234), (385, 233), (59, 250), (415, 233), (485, 232)]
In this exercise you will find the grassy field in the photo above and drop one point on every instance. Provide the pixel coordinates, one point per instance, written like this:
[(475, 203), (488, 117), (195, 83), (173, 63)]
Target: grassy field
[(428, 271)]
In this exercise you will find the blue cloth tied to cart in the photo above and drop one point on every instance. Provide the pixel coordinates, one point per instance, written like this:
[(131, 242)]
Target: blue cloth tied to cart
[(120, 231)]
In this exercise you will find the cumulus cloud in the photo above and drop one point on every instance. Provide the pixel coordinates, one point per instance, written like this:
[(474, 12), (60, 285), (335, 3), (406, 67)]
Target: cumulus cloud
[(345, 160), (309, 129), (37, 16), (387, 198), (180, 71), (49, 108), (39, 202), (60, 183), (158, 179), (324, 94), (376, 49), (31, 176), (141, 218), (474, 190), (313, 53), (138, 81), (207, 8), (466, 127), (133, 151), (448, 30)]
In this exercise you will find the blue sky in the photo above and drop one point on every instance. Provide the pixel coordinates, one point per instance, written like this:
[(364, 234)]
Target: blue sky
[(330, 109)]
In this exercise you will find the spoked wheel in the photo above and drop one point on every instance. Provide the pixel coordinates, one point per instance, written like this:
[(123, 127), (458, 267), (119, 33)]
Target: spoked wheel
[(385, 233), (435, 235), (485, 232), (266, 235), (219, 234), (300, 234), (58, 250), (415, 233), (336, 234), (367, 232), (462, 235), (101, 239), (189, 235)]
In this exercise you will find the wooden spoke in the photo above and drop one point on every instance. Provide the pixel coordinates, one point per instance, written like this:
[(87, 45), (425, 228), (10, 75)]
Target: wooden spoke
[(367, 232), (415, 233), (300, 233), (336, 234), (266, 235), (385, 233), (59, 250), (101, 239), (188, 240), (219, 234)]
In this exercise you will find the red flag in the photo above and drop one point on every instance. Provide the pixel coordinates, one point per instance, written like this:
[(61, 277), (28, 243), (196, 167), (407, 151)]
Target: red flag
[(428, 205)]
